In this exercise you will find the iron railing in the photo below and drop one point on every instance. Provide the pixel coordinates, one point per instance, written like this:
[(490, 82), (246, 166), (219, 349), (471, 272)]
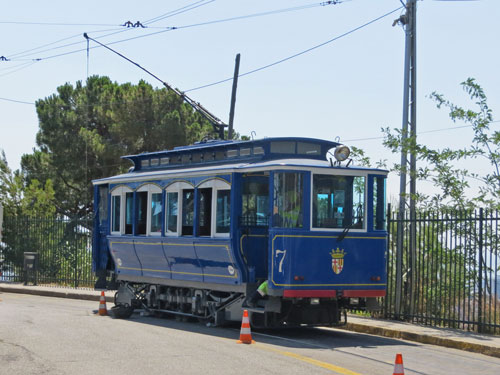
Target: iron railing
[(64, 248), (455, 277), (454, 282)]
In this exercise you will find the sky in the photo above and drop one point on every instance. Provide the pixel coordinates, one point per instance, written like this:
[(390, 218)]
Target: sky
[(347, 89)]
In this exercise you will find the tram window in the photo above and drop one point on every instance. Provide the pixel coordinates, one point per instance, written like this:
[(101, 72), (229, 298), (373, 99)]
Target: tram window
[(129, 204), (205, 211), (255, 200), (245, 152), (103, 204), (338, 201), (258, 150), (164, 161), (223, 211), (287, 204), (283, 147), (155, 162), (172, 209), (186, 159), (142, 210), (208, 156), (379, 219), (187, 212), (156, 210), (196, 158), (115, 213), (220, 155), (304, 148), (232, 153), (145, 163)]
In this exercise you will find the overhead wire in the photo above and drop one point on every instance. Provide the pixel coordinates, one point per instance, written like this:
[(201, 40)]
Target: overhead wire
[(178, 11), (297, 54), (272, 12), (24, 54), (418, 133), (167, 29), (343, 140), (14, 66), (24, 66), (54, 23)]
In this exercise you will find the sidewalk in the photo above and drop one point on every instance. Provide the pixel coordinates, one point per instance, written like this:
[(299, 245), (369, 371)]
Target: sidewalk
[(61, 292), (451, 338)]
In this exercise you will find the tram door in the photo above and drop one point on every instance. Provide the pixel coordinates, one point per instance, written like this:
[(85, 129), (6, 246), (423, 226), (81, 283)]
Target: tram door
[(254, 224)]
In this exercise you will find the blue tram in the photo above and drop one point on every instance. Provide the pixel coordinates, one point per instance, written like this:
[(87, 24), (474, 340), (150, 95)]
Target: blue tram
[(195, 230)]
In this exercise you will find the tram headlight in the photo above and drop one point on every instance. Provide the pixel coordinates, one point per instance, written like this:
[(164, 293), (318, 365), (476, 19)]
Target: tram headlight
[(341, 153)]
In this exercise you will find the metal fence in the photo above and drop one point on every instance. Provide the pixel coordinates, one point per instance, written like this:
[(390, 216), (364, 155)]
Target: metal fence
[(450, 276), (64, 248), (450, 270)]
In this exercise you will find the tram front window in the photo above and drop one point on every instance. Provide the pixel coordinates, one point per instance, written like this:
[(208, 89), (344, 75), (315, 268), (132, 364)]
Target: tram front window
[(287, 204), (223, 213), (338, 201), (255, 200), (379, 203)]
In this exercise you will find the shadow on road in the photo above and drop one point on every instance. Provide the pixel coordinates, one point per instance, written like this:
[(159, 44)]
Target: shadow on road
[(317, 337)]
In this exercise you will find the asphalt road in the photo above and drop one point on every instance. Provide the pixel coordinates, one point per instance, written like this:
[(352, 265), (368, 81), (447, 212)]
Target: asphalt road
[(44, 335)]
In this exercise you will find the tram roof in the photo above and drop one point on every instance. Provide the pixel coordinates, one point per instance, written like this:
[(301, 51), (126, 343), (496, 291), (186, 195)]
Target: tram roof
[(292, 164), (219, 152)]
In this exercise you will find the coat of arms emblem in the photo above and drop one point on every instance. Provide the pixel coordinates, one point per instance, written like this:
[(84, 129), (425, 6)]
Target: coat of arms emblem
[(338, 260)]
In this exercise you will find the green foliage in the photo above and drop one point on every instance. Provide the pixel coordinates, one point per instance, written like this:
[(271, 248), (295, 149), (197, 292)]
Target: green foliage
[(359, 157), (85, 129), (22, 197), (442, 167)]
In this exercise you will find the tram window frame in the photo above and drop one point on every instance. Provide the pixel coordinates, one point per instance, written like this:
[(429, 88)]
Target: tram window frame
[(119, 192), (217, 185), (346, 195), (177, 188), (150, 190)]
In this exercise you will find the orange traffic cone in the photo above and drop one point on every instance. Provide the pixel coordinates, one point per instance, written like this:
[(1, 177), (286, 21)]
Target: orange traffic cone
[(245, 333), (102, 305), (398, 365)]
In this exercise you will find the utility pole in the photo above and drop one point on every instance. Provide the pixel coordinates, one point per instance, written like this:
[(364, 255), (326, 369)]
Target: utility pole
[(233, 96), (408, 137)]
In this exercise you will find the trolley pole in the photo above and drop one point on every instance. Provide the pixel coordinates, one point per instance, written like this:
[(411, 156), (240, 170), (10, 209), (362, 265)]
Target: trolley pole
[(407, 138), (233, 96)]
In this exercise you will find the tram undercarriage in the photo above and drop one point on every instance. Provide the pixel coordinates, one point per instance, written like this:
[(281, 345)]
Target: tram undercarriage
[(221, 307)]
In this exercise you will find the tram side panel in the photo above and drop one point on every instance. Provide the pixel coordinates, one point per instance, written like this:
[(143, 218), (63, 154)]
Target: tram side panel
[(179, 259)]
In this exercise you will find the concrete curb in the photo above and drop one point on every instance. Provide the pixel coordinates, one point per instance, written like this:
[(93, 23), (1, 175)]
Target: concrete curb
[(60, 293), (424, 339)]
